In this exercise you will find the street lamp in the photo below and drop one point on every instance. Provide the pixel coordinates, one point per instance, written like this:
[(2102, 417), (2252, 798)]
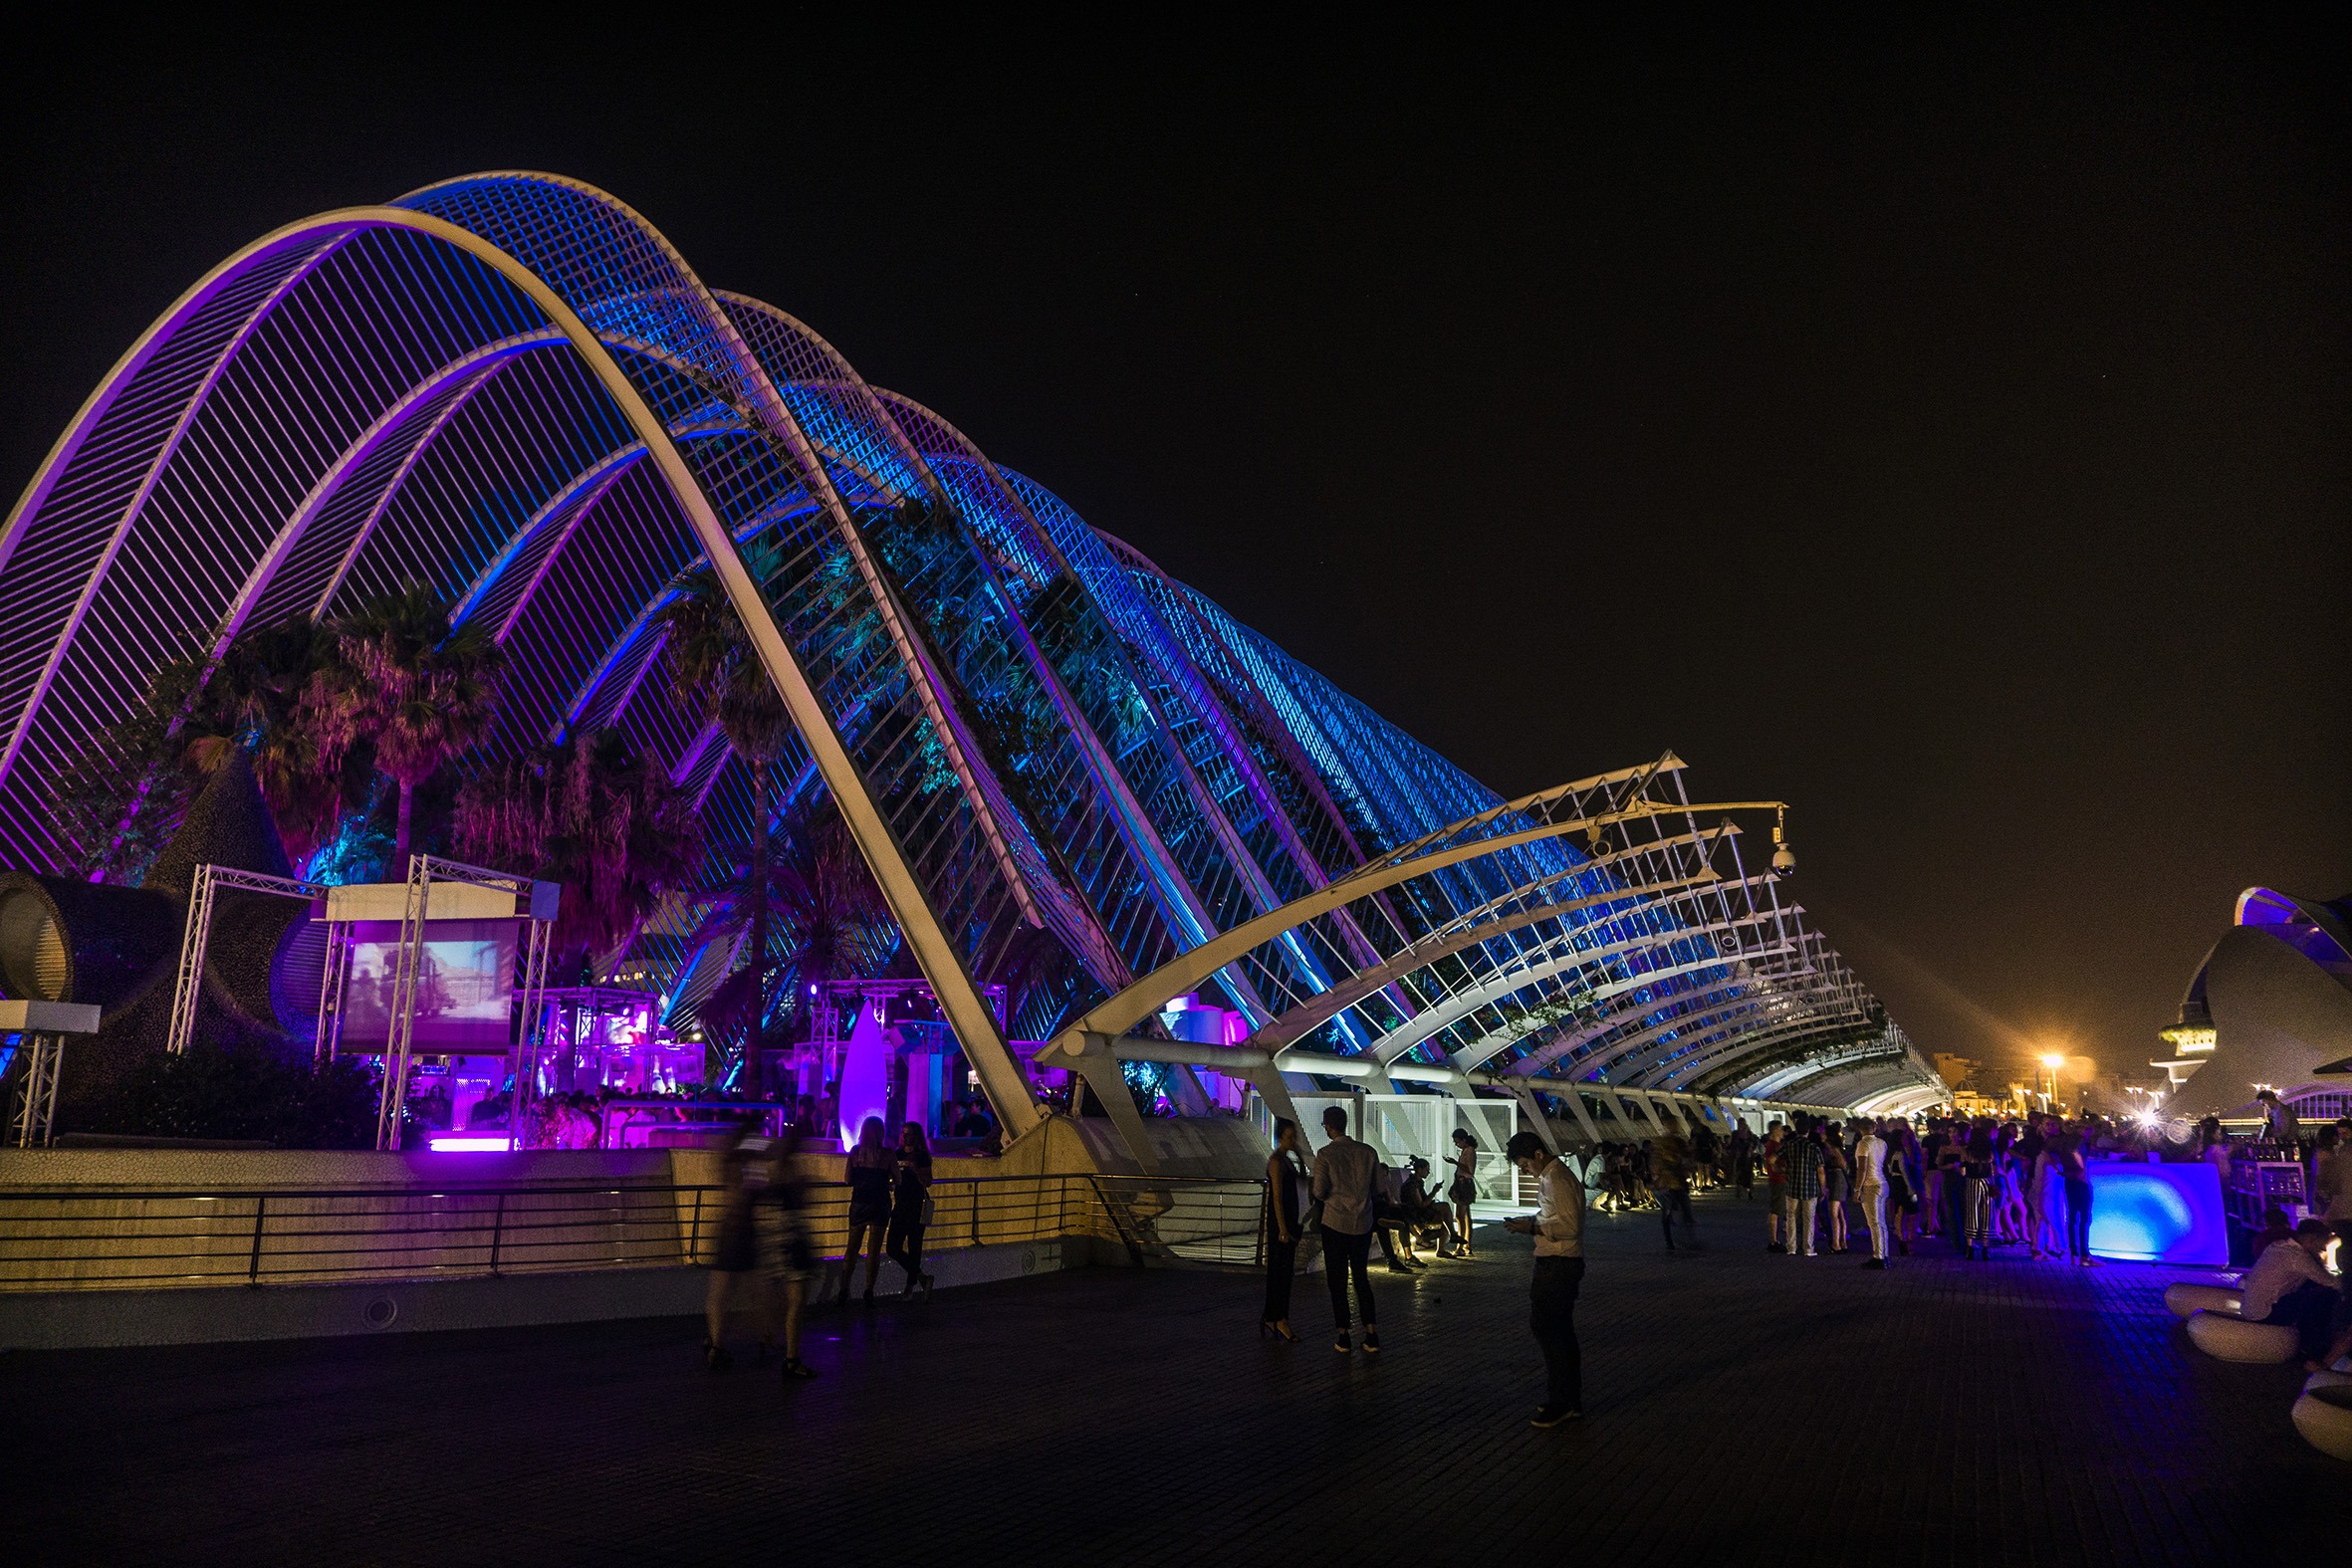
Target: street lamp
[(2053, 1063)]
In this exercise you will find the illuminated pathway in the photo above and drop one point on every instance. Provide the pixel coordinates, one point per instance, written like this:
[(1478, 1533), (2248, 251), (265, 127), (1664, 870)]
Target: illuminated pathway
[(1942, 1414)]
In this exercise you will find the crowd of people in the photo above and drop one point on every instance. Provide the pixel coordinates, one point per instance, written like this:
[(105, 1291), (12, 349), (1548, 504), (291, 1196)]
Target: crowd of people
[(1834, 1186), (1885, 1186), (1973, 1185), (765, 1261)]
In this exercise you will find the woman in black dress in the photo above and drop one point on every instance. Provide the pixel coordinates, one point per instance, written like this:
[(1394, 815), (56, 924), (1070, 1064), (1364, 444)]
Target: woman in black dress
[(1462, 1191), (908, 1196), (872, 1165), (1285, 1179)]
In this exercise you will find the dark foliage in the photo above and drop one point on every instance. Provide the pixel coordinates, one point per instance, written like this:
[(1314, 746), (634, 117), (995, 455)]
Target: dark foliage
[(243, 1091)]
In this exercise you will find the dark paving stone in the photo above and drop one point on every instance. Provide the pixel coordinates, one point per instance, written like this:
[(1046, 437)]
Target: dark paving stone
[(1944, 1413)]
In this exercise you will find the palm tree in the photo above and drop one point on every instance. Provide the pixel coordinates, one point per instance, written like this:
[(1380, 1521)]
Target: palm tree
[(717, 674), (593, 815), (120, 798), (422, 691), (834, 922), (254, 697)]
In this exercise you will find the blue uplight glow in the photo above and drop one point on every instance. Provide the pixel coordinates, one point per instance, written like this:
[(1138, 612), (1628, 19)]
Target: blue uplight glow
[(2157, 1214)]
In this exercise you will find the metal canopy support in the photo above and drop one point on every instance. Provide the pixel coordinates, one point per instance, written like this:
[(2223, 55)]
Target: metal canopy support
[(538, 909), (1538, 1123), (44, 1026), (44, 1054), (197, 936)]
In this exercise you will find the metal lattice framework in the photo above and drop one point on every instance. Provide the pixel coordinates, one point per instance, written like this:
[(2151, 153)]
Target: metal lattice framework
[(512, 387)]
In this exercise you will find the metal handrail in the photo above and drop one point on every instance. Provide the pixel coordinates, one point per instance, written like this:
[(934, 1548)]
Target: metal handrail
[(269, 1235)]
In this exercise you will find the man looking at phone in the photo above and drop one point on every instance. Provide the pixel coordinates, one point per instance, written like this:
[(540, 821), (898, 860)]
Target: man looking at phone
[(1559, 1229)]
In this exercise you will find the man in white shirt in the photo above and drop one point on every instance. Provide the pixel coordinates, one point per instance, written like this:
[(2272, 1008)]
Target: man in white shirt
[(2289, 1286), (1345, 1174), (1559, 1229), (1870, 1191)]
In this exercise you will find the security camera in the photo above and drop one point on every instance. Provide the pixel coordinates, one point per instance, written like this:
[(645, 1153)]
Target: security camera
[(1783, 861)]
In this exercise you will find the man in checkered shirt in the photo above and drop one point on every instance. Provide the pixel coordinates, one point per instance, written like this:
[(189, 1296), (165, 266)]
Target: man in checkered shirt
[(1801, 1162)]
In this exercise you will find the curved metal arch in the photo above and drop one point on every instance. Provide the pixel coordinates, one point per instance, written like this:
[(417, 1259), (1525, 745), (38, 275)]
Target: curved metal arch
[(1431, 853), (1572, 1045), (739, 363), (1709, 1002), (467, 375), (1505, 983), (697, 359), (94, 409), (1751, 1056), (1722, 1045), (956, 994), (1598, 1045), (1356, 987), (1724, 1048), (1479, 1052)]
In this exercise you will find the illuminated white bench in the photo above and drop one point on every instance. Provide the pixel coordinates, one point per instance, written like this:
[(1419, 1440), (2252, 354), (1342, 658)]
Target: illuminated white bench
[(2324, 1417), (2227, 1337), (2185, 1300)]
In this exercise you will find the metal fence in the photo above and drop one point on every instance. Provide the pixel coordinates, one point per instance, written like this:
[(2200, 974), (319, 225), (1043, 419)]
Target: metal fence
[(118, 1239)]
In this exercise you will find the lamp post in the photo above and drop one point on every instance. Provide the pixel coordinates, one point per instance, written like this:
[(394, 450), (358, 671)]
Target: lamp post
[(2051, 1064)]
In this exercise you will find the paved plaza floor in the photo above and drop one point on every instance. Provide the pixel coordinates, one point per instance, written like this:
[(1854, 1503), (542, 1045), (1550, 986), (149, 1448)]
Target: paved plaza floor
[(1788, 1409)]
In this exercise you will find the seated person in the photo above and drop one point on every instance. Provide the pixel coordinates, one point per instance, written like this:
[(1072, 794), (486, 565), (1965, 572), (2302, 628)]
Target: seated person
[(1390, 1223), (2289, 1286), (1423, 1213), (2275, 1230)]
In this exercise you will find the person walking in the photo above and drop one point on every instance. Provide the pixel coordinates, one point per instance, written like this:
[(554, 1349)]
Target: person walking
[(1345, 1170), (910, 1200), (1670, 1169), (787, 1259), (1870, 1191), (1800, 1166), (1462, 1191), (737, 1253), (870, 1169), (1559, 1229), (1742, 1160), (1776, 1189), (1284, 1176)]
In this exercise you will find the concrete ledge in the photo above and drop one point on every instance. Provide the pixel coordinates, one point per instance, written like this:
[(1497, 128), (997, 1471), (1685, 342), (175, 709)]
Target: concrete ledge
[(88, 1319)]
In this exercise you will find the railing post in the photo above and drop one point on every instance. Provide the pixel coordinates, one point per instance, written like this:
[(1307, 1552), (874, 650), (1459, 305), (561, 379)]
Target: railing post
[(694, 1232), (253, 1263), (1264, 1202), (497, 1231)]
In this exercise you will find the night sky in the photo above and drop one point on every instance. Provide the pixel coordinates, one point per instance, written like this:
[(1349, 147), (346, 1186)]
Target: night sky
[(1944, 432)]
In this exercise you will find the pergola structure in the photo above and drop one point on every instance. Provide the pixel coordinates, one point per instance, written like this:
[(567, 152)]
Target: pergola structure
[(512, 387)]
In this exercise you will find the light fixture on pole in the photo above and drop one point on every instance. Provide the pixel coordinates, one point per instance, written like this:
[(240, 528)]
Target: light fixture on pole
[(2053, 1063)]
